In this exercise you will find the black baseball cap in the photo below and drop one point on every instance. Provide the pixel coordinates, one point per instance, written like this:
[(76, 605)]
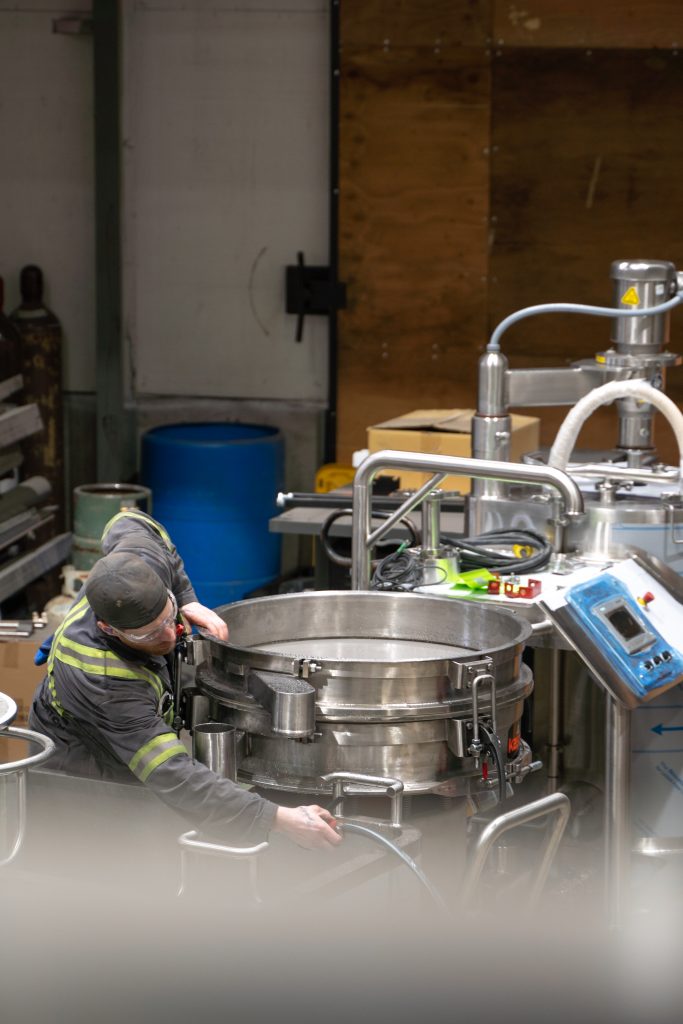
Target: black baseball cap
[(124, 591)]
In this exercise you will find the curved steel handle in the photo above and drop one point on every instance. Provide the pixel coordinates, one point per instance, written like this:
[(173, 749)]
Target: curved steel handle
[(48, 749), (476, 745), (393, 788), (20, 768), (556, 803), (189, 839)]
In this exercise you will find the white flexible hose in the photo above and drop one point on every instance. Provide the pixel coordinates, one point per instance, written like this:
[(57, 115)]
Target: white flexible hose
[(564, 442)]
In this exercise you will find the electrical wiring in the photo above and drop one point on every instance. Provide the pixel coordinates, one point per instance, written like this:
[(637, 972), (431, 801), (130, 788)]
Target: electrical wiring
[(401, 570), (483, 552)]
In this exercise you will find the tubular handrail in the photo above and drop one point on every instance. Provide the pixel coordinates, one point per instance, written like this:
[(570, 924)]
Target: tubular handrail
[(555, 803), (20, 768), (393, 788), (363, 538), (48, 749), (189, 842)]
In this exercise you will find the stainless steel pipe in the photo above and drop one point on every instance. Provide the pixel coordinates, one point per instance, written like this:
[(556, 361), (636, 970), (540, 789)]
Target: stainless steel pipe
[(215, 746), (363, 537)]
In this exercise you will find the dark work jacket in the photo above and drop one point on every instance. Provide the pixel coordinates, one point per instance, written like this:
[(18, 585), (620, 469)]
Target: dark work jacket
[(108, 707)]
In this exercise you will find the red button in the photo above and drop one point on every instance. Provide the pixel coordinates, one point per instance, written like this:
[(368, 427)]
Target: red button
[(648, 597)]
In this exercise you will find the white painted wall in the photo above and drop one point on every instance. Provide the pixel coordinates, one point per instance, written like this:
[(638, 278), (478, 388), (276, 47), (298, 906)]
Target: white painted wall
[(225, 178), (47, 204), (225, 156), (225, 160)]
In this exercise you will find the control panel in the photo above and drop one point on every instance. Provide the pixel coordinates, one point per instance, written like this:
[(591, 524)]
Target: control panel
[(626, 627)]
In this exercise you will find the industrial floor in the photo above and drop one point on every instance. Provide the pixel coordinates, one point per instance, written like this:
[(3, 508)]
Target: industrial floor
[(106, 923)]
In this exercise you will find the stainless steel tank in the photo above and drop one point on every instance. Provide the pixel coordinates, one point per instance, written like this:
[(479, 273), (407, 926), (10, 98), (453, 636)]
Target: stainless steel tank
[(374, 683)]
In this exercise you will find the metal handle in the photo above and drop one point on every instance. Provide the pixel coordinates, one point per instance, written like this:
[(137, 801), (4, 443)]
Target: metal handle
[(48, 749), (188, 841), (20, 768), (393, 788), (671, 510), (362, 536), (556, 803), (476, 745)]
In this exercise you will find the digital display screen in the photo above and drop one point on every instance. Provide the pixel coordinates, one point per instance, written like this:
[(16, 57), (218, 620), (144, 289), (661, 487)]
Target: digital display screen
[(624, 623)]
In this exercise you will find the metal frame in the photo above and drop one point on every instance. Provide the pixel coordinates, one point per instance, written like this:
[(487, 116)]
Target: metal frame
[(363, 537), (555, 803), (20, 768)]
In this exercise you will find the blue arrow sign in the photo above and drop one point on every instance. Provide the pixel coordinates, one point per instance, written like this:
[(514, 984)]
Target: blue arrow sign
[(659, 729)]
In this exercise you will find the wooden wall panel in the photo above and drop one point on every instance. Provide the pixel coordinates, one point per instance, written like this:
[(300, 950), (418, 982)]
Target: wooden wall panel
[(582, 152), (367, 24), (586, 169), (414, 131), (593, 23)]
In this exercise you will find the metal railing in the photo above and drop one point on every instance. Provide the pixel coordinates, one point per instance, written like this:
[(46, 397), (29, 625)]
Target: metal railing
[(19, 768), (364, 538)]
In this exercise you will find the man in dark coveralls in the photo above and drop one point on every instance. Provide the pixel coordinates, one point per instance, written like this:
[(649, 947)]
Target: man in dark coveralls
[(107, 698)]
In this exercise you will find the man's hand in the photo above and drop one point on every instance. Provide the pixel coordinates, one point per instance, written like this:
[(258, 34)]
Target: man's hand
[(198, 615), (311, 827)]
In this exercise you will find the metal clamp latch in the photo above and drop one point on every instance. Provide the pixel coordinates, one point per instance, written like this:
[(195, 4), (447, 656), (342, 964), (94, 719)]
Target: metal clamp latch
[(461, 673), (476, 746), (195, 650), (393, 788)]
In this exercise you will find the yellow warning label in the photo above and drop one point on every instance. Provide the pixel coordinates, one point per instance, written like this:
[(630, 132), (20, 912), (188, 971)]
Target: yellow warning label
[(630, 298)]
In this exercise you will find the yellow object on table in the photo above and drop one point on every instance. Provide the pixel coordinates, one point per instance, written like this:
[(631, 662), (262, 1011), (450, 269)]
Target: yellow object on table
[(333, 475)]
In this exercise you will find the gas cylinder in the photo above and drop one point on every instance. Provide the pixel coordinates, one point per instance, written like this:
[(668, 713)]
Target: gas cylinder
[(10, 342), (41, 365)]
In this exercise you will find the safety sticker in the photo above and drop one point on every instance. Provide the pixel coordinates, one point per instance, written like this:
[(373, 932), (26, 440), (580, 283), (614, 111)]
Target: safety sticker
[(630, 298)]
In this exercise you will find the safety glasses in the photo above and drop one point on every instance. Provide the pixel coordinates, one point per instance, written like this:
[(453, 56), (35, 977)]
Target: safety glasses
[(152, 634)]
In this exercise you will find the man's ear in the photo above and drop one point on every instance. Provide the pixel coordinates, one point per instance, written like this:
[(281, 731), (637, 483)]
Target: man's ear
[(105, 628)]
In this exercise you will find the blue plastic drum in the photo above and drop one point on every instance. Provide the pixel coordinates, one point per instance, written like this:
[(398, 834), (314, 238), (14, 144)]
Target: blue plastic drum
[(215, 487)]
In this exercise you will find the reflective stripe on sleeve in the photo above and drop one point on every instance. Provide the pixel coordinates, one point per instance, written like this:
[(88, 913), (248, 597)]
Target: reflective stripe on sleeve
[(154, 753)]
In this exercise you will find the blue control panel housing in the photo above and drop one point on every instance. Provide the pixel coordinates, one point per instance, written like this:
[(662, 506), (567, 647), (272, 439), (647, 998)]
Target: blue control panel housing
[(611, 616)]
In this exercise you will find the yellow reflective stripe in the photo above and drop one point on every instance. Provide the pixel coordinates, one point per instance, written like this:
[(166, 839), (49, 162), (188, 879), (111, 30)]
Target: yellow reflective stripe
[(156, 741), (166, 755), (112, 670), (55, 702), (113, 662), (91, 652), (130, 514), (77, 612), (169, 740)]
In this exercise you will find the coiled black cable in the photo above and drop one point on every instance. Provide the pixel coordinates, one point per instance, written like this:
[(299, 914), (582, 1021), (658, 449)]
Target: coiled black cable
[(478, 552), (492, 746), (344, 560), (402, 571)]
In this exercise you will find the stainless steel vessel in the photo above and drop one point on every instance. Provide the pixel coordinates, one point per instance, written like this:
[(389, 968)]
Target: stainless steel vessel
[(376, 683)]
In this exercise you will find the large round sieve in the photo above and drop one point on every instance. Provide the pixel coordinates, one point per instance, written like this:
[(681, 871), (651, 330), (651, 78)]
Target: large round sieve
[(349, 648)]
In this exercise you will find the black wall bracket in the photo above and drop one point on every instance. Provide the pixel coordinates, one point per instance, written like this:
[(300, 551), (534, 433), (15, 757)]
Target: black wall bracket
[(310, 290)]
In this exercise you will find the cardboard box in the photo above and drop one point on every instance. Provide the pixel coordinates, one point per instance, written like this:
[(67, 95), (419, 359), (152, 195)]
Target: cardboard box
[(19, 677), (444, 432)]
